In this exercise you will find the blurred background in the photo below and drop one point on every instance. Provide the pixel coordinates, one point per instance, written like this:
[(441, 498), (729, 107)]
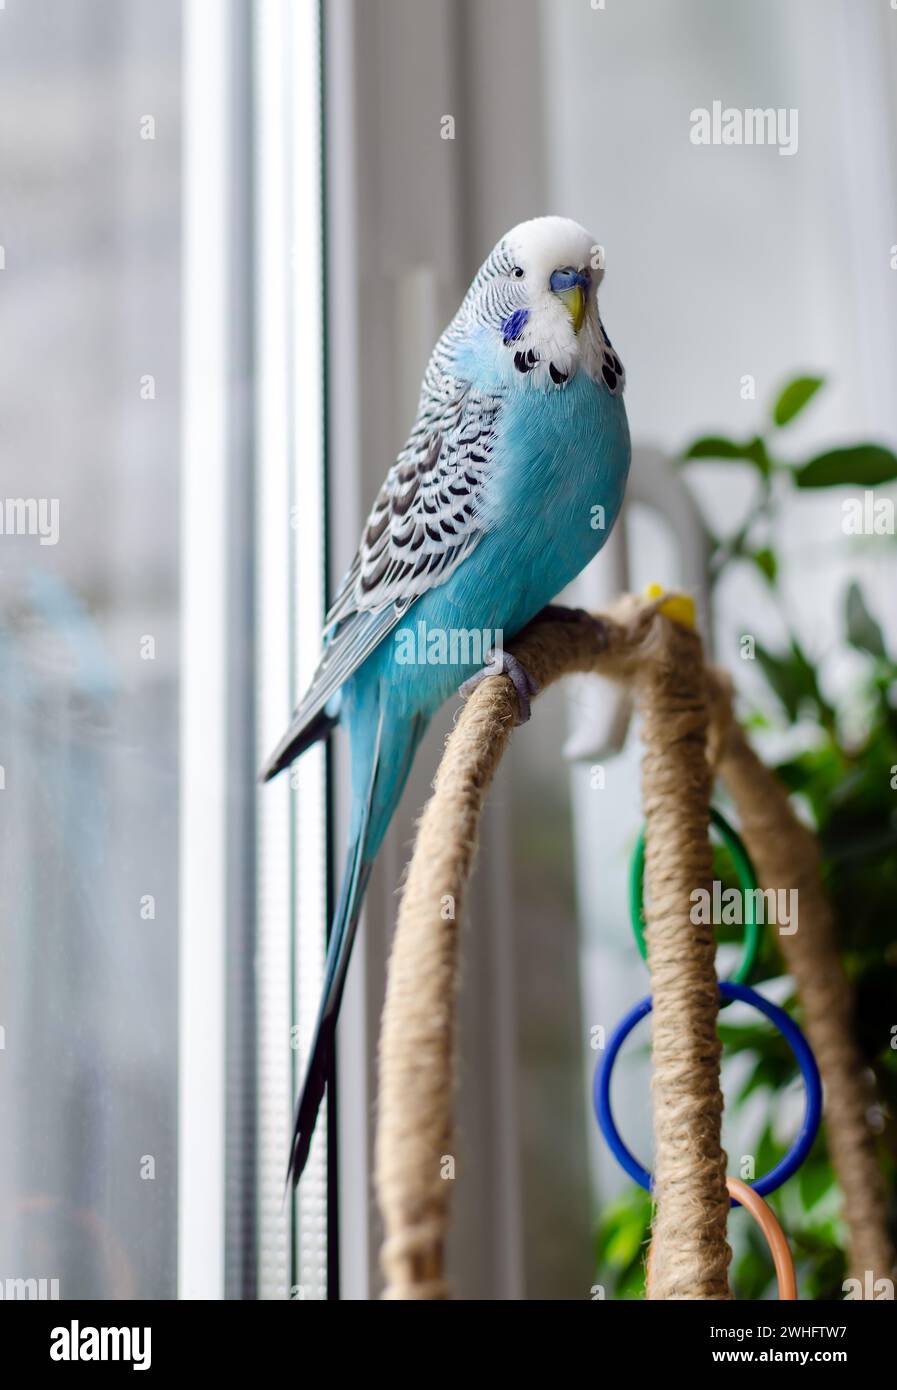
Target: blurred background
[(231, 231)]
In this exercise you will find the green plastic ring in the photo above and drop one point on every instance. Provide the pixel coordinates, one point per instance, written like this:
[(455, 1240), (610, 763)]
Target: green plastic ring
[(746, 878)]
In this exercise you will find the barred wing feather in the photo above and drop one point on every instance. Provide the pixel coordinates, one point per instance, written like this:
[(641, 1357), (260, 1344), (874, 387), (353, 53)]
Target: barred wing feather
[(423, 525)]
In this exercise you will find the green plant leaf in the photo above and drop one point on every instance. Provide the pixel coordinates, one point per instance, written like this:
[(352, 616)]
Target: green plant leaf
[(623, 1245), (755, 452), (769, 1151), (794, 397), (862, 629), (781, 678), (766, 563), (864, 464), (621, 1241), (793, 679), (815, 1179), (769, 1073), (713, 446)]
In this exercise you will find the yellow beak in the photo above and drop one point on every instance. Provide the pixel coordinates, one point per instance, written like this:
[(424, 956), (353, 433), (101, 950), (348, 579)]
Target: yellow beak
[(575, 302)]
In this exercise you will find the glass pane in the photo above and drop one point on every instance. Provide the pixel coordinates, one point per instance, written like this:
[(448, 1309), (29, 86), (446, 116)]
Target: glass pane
[(90, 148)]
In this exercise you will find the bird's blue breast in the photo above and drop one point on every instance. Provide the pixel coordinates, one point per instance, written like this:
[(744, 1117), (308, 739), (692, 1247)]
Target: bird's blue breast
[(562, 460), (560, 463)]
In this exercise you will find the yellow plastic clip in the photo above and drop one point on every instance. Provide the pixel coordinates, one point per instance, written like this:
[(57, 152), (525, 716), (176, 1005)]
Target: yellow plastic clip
[(679, 608)]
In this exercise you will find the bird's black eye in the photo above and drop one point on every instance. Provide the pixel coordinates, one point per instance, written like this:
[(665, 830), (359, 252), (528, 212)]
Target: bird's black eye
[(518, 272)]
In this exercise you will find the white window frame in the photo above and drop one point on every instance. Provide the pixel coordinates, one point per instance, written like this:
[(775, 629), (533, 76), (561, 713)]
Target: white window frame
[(253, 350), (208, 38)]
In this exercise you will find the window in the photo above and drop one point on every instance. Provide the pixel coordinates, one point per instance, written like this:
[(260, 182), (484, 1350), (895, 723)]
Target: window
[(231, 232), (91, 621)]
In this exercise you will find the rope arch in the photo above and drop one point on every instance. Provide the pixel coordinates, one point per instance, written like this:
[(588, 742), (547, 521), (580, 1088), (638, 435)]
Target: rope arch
[(688, 728)]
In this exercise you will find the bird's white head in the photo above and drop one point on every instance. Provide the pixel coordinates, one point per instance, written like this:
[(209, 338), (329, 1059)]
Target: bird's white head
[(535, 297)]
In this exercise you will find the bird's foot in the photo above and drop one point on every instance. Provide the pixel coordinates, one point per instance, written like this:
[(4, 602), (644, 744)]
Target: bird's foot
[(507, 665), (558, 613)]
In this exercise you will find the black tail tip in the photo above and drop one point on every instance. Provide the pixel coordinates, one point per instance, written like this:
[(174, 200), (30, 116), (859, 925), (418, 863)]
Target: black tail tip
[(284, 754), (298, 1160), (313, 1091)]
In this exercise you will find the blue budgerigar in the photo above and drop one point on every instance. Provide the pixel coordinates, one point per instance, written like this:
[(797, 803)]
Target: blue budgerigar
[(511, 479)]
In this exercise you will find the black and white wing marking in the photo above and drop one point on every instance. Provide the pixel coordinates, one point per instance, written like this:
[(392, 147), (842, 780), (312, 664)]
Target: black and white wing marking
[(425, 520), (424, 523)]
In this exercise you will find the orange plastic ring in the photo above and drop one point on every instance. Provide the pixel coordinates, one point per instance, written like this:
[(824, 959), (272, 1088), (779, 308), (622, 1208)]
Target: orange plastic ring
[(775, 1237), (765, 1218)]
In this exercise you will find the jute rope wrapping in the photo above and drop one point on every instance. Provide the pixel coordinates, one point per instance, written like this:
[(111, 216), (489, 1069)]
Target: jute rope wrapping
[(690, 1256), (417, 1039), (786, 855), (417, 1036)]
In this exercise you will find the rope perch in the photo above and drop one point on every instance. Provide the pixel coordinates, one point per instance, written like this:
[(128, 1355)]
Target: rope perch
[(678, 697), (691, 1203), (786, 853)]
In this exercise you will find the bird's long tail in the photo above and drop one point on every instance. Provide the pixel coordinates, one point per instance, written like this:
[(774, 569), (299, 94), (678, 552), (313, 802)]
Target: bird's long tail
[(389, 764), (299, 736)]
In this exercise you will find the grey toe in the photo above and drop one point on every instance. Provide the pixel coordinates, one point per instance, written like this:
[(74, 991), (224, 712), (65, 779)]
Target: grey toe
[(524, 684)]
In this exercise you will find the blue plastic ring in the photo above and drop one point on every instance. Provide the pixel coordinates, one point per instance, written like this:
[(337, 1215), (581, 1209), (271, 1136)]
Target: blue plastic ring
[(796, 1041)]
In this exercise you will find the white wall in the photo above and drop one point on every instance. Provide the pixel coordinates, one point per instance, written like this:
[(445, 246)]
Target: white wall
[(727, 261)]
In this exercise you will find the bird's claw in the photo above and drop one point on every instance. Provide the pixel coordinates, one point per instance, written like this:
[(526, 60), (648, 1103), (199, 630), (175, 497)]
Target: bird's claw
[(524, 684)]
